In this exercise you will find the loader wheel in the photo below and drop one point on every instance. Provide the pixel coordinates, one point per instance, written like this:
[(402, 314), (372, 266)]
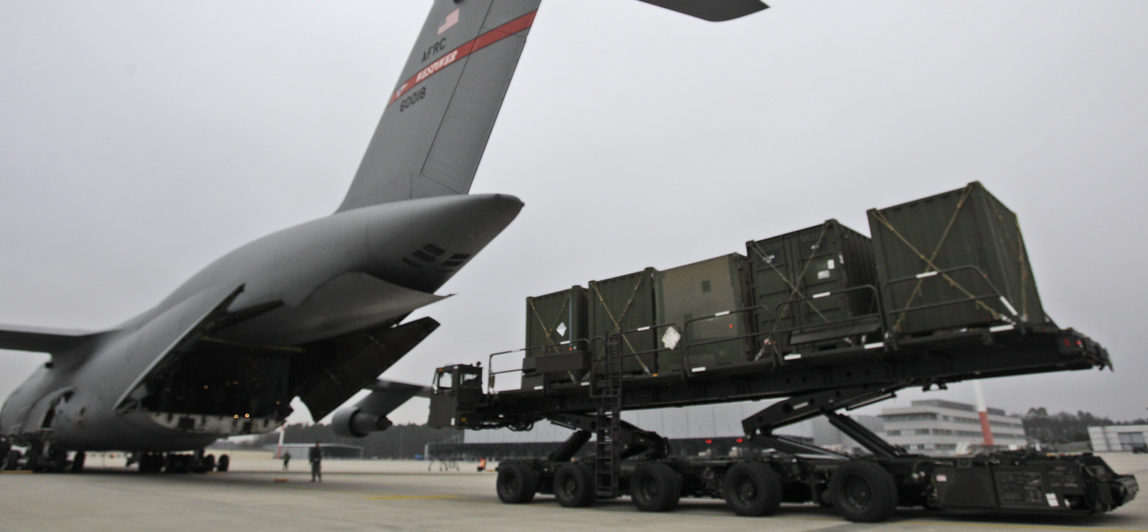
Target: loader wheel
[(574, 485), (517, 482), (655, 487), (752, 489), (863, 491)]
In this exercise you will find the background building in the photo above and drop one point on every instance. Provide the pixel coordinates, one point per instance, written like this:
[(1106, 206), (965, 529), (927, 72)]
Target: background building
[(937, 426), (1118, 437)]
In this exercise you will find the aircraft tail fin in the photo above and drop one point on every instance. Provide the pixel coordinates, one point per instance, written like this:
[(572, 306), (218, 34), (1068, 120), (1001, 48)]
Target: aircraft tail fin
[(434, 130), (42, 340)]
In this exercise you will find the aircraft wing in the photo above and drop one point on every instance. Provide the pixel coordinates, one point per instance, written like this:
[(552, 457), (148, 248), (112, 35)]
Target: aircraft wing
[(41, 339)]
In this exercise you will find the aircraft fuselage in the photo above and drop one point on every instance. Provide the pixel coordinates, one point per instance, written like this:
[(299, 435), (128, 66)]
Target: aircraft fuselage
[(263, 303)]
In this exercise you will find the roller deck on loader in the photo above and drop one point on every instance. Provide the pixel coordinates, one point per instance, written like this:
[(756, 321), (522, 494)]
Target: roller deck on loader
[(627, 460)]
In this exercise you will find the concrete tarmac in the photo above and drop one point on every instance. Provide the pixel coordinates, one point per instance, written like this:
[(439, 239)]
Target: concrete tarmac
[(403, 495)]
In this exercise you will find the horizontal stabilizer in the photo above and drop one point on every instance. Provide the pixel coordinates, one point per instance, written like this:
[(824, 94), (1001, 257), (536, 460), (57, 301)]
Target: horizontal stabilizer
[(347, 303), (42, 340), (387, 395), (712, 10)]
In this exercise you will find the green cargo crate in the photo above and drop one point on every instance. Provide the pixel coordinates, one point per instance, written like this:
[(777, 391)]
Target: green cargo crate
[(689, 296), (557, 334), (815, 286), (965, 228), (620, 304)]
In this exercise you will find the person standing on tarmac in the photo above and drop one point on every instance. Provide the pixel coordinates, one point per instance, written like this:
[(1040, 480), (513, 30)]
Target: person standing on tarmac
[(315, 455), (286, 459), (5, 448)]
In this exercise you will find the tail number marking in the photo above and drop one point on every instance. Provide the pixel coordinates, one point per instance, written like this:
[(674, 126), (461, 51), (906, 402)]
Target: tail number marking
[(411, 99)]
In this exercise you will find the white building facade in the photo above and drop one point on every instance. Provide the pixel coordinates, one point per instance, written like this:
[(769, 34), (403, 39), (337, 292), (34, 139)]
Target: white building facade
[(1118, 437), (937, 426)]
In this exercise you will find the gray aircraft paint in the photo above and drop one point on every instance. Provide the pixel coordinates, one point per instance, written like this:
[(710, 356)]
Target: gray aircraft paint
[(312, 290), (358, 269)]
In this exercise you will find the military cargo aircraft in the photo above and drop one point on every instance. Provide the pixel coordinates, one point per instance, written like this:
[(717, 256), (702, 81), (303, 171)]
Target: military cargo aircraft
[(316, 311)]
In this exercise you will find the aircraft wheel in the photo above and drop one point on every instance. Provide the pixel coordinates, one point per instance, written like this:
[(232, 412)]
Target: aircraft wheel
[(13, 461), (78, 462), (517, 482), (57, 461), (574, 485), (655, 487), (208, 463), (752, 489), (863, 491), (150, 463), (222, 464)]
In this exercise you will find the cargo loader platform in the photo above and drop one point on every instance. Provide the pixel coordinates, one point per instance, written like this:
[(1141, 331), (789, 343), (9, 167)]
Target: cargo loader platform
[(630, 461), (824, 319)]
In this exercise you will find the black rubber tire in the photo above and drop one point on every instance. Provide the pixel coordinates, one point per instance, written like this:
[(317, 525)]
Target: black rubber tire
[(863, 491), (752, 489), (209, 463), (655, 487), (223, 463), (58, 461), (78, 462), (517, 482), (574, 486), (13, 460), (151, 463)]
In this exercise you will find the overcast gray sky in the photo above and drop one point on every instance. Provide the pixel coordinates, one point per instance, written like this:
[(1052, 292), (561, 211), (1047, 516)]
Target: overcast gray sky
[(140, 140)]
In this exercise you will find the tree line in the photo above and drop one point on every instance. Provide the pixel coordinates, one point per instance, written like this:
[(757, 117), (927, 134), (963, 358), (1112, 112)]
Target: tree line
[(1064, 427)]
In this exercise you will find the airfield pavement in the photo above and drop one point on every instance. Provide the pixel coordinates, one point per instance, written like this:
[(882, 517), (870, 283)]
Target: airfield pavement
[(367, 494)]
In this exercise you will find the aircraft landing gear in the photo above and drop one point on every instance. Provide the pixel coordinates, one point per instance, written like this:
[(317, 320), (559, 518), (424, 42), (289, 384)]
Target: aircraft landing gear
[(13, 460), (150, 462), (224, 462), (78, 461)]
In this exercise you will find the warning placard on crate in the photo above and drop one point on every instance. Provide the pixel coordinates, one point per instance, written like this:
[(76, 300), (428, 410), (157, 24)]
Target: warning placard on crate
[(671, 338)]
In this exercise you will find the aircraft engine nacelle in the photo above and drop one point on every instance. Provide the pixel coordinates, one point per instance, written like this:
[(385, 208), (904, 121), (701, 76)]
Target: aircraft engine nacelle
[(354, 423)]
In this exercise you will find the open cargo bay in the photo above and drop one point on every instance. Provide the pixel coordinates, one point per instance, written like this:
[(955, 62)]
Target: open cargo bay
[(822, 318)]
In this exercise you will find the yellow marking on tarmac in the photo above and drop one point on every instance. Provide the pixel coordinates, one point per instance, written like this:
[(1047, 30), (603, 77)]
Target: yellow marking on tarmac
[(17, 472), (410, 497)]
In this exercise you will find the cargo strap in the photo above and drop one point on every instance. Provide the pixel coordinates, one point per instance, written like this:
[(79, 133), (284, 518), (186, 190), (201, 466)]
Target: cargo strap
[(1021, 259), (796, 290), (793, 286), (546, 330), (929, 261), (616, 321)]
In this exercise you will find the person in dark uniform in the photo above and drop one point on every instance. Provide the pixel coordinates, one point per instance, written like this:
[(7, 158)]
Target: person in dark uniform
[(315, 455), (5, 448)]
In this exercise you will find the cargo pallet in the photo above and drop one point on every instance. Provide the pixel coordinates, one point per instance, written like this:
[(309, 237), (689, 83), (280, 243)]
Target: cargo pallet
[(629, 461)]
